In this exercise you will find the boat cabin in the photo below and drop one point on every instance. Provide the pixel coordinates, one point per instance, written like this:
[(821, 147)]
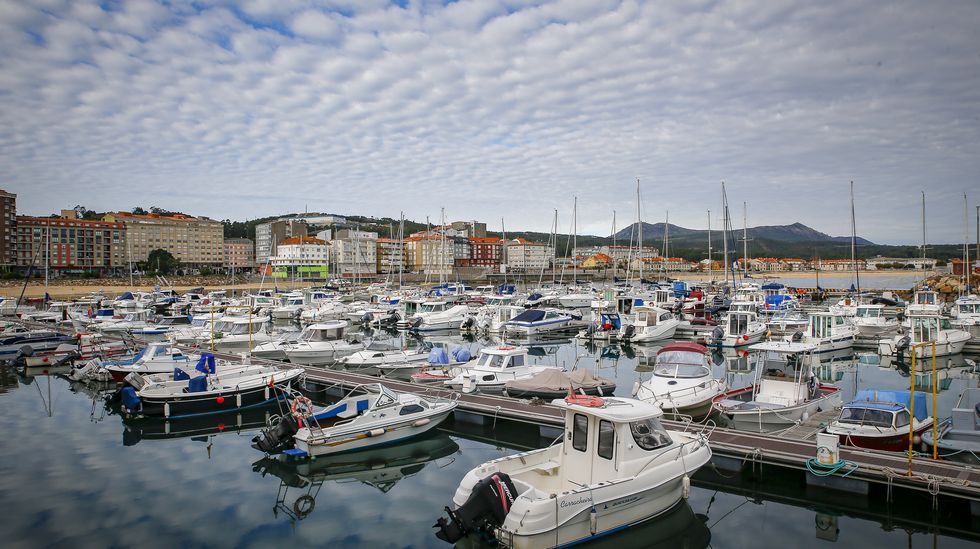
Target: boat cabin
[(650, 316), (924, 297), (682, 360), (866, 310), (927, 327), (324, 331), (783, 373), (883, 409), (967, 307), (502, 358), (433, 307), (739, 321), (241, 325), (538, 317), (822, 325)]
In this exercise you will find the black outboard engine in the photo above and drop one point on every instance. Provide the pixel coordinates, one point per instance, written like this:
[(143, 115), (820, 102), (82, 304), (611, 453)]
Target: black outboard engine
[(797, 337), (367, 318), (486, 508), (468, 323), (629, 331), (903, 345), (271, 438), (718, 333)]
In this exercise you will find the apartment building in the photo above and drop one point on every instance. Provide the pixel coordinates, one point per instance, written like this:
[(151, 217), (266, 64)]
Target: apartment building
[(70, 246), (355, 253), (391, 256), (269, 235), (194, 241), (239, 254), (303, 257), (8, 229)]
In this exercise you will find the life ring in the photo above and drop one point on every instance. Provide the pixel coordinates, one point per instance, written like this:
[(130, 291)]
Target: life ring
[(301, 407), (304, 505), (585, 400)]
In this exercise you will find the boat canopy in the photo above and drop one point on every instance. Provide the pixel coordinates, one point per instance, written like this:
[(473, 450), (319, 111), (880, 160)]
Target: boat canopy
[(773, 286), (685, 347), (530, 315), (893, 401)]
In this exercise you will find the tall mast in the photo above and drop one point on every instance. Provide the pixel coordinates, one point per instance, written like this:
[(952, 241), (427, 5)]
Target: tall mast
[(667, 235), (47, 257), (923, 226), (554, 251), (745, 237), (442, 255), (612, 251), (857, 274), (710, 275), (966, 244), (574, 240), (639, 228), (401, 246), (724, 227)]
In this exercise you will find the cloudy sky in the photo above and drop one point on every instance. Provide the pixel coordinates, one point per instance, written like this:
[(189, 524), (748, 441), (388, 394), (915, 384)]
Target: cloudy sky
[(497, 108)]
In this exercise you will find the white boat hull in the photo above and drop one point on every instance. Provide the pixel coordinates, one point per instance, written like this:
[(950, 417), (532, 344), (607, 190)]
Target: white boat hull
[(364, 439)]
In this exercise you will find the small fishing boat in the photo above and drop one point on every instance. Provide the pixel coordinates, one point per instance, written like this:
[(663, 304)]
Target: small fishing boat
[(959, 436), (785, 390), (615, 466), (553, 383), (322, 343), (925, 329), (650, 324), (155, 358), (395, 364), (206, 389), (740, 328), (24, 341), (682, 382), (966, 315), (539, 321), (827, 332), (869, 319), (439, 315), (879, 420), (493, 369), (369, 416)]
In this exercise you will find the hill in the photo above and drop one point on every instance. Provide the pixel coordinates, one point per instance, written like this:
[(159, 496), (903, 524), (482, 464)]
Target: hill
[(797, 232)]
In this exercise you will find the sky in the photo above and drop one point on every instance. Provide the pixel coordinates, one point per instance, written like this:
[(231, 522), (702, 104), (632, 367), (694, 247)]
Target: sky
[(499, 109)]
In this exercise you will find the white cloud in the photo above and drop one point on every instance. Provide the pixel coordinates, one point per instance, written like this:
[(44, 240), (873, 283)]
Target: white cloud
[(494, 108)]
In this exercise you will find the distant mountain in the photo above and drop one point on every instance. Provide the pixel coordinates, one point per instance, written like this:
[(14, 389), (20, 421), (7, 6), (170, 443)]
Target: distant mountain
[(797, 232)]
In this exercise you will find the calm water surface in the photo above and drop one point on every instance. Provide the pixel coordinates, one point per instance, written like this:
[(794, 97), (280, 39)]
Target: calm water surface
[(74, 475)]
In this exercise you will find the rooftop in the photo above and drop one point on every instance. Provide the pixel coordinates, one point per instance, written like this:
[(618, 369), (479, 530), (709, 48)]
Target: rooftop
[(302, 240)]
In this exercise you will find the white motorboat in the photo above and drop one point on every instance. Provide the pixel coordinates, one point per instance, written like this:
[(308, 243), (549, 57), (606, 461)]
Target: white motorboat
[(649, 324), (827, 332), (959, 435), (322, 343), (616, 466), (324, 310), (785, 390), (155, 358), (539, 321), (682, 381), (494, 367), (292, 306), (576, 300), (966, 315), (924, 302), (925, 328), (784, 323), (439, 315), (369, 416), (235, 334), (870, 320), (276, 349), (492, 318), (739, 329), (395, 364)]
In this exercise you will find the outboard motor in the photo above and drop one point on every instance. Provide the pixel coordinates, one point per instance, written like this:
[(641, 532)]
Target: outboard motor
[(797, 337), (275, 436), (629, 331), (468, 323), (717, 334), (367, 318), (487, 507), (903, 345)]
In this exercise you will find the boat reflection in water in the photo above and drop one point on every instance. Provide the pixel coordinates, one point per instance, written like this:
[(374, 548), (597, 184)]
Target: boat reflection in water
[(382, 468), (678, 527), (201, 428)]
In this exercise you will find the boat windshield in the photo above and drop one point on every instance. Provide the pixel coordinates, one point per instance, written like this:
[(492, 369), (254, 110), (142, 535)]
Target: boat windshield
[(867, 416), (737, 324), (244, 328), (969, 308), (868, 312), (491, 361), (650, 434), (324, 334), (431, 307), (681, 371), (926, 298)]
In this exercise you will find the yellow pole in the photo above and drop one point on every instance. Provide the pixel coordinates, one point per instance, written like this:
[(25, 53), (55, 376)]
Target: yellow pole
[(935, 397), (914, 350)]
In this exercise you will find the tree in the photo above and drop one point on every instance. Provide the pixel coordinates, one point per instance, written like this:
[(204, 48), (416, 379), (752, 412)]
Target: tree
[(160, 261), (139, 211)]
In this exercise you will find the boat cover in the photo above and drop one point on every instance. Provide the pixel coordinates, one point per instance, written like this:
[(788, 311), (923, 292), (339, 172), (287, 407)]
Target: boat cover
[(530, 315), (438, 355), (890, 400), (554, 380), (772, 286)]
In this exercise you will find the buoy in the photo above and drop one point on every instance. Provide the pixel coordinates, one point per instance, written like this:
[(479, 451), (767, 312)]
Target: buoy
[(686, 487), (421, 422), (376, 432), (636, 388), (593, 521), (916, 439), (220, 400)]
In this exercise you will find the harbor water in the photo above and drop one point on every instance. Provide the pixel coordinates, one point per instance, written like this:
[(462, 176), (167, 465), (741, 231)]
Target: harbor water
[(73, 473)]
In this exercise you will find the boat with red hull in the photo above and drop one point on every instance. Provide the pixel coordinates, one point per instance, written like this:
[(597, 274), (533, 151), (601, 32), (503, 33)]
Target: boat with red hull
[(882, 420)]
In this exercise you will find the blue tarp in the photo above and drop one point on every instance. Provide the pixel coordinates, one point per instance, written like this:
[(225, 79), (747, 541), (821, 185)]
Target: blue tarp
[(461, 354), (197, 384), (438, 356), (772, 286), (506, 289), (534, 297), (890, 400), (205, 364), (127, 295)]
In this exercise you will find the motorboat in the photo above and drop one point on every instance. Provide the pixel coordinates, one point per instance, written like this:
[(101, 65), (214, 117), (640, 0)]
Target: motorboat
[(494, 367), (879, 420), (439, 315), (369, 416), (870, 320), (959, 436), (161, 329), (576, 300), (553, 383), (26, 341), (740, 329), (966, 315), (682, 381), (650, 324), (322, 343), (828, 332), (276, 349), (440, 368), (206, 389), (292, 306), (324, 310), (784, 323), (924, 329), (236, 334), (491, 319), (605, 323), (155, 358), (394, 363), (785, 390), (615, 466), (539, 321), (924, 302)]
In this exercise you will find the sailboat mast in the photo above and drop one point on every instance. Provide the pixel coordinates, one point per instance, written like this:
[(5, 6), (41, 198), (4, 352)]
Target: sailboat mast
[(857, 274), (710, 274), (667, 235), (923, 226), (47, 258), (639, 228), (574, 240), (612, 251), (745, 237), (442, 255), (966, 244), (401, 246), (724, 228)]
